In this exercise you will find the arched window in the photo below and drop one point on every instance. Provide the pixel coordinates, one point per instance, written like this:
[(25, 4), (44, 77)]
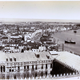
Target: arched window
[(42, 66), (10, 59), (14, 76), (46, 73), (28, 67), (35, 74), (46, 66), (8, 77), (12, 70), (22, 50), (9, 70), (32, 67), (6, 59), (51, 65), (14, 59), (18, 68), (36, 67), (27, 75), (24, 75), (41, 73), (1, 68)]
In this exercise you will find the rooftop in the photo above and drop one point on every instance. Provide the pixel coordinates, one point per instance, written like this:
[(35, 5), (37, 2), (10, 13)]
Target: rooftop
[(64, 57), (69, 59), (26, 56)]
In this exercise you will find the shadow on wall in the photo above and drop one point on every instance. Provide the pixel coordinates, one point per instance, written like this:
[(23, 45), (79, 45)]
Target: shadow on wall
[(60, 69)]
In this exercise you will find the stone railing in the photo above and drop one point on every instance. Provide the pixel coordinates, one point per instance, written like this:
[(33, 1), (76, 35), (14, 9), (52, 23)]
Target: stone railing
[(58, 76)]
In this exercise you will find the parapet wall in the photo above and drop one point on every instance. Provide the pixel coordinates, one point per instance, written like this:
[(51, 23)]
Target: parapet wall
[(58, 76)]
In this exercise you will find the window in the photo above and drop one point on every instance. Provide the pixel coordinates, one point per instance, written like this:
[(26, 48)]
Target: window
[(47, 57), (51, 65), (14, 76), (22, 50), (3, 68), (17, 47), (24, 75), (46, 73), (28, 67), (27, 75), (49, 61), (18, 68), (24, 68), (14, 59), (37, 55), (6, 59), (3, 76), (36, 67), (9, 70), (12, 70), (32, 67), (46, 66), (42, 66), (36, 74), (10, 59), (7, 77), (41, 73)]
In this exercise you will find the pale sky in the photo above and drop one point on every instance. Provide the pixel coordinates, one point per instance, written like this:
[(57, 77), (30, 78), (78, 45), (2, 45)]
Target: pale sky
[(62, 10)]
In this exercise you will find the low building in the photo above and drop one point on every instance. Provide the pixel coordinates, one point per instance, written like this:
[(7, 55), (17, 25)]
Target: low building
[(42, 48), (25, 65), (4, 39), (37, 64)]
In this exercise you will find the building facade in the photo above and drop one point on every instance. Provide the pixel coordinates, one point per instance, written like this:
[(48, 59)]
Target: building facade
[(13, 67)]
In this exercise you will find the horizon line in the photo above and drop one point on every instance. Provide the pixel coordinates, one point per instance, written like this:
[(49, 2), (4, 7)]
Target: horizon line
[(41, 20)]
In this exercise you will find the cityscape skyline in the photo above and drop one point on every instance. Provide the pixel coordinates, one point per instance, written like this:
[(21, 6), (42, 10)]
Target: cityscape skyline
[(15, 20), (54, 10)]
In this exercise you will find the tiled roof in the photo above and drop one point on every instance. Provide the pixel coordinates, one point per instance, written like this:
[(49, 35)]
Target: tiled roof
[(26, 56)]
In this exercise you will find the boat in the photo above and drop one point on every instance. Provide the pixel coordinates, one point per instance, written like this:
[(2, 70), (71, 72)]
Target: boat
[(70, 42)]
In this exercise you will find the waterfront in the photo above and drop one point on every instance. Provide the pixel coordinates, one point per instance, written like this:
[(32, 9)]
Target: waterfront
[(62, 36)]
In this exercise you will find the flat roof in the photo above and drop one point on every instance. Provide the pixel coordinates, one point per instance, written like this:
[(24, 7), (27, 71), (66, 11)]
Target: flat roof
[(54, 52), (69, 59), (26, 56)]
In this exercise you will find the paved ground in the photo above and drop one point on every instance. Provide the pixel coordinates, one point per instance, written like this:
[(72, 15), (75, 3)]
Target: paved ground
[(62, 36)]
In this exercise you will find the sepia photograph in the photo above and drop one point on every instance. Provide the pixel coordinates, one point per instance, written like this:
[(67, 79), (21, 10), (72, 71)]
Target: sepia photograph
[(39, 40)]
